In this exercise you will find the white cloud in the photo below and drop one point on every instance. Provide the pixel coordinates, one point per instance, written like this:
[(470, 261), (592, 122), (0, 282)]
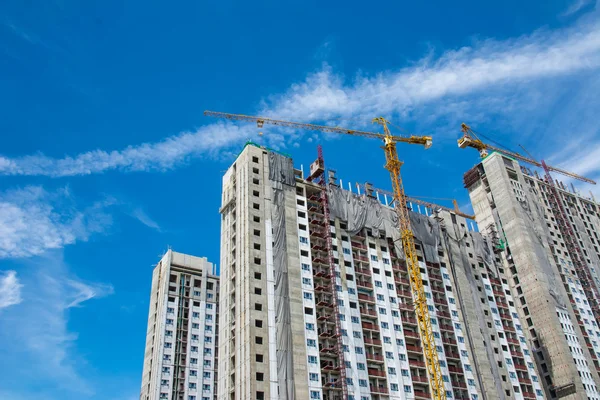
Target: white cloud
[(456, 83), (33, 220), (576, 6), (36, 332), (10, 289), (145, 219), (209, 139)]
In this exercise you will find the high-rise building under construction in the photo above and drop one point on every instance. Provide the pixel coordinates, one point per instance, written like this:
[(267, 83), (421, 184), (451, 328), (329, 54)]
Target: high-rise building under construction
[(180, 360), (321, 308), (552, 258)]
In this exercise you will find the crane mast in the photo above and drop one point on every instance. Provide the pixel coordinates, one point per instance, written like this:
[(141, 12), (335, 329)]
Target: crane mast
[(393, 165)]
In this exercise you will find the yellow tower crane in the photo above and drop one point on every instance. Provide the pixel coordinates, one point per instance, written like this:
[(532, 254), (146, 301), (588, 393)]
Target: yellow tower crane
[(470, 139), (393, 165)]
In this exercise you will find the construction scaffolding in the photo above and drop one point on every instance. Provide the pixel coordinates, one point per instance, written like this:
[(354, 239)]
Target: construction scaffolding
[(318, 176), (570, 238)]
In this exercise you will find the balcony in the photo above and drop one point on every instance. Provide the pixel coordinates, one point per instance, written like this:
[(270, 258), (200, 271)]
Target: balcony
[(376, 342), (369, 326), (511, 340), (455, 370), (502, 304), (414, 349), (437, 289), (446, 327), (507, 326), (366, 297), (415, 363), (448, 340), (419, 394), (451, 354), (433, 275), (440, 301), (525, 380), (420, 379), (379, 389), (398, 267), (528, 395), (366, 311), (458, 384), (362, 270), (376, 372), (411, 334), (521, 367), (359, 245), (360, 258), (404, 293), (409, 320), (364, 284), (516, 353), (374, 357)]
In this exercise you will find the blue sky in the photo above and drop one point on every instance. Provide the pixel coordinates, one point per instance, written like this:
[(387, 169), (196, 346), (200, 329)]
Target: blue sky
[(107, 160)]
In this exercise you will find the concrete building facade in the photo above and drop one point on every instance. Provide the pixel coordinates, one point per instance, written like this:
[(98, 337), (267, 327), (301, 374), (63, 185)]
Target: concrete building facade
[(296, 326), (512, 205), (181, 357)]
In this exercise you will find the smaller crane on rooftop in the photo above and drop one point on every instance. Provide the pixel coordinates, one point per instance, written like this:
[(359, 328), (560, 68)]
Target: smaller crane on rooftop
[(420, 200)]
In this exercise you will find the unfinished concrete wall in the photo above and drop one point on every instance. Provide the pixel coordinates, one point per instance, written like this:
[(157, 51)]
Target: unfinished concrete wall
[(261, 337), (501, 200)]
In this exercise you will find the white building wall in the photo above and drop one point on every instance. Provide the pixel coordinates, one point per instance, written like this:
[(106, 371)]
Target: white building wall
[(201, 330)]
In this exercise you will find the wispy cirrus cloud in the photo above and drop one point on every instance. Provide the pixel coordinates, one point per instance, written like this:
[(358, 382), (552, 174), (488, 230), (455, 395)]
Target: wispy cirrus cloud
[(33, 220), (488, 76), (145, 219), (576, 6), (10, 289)]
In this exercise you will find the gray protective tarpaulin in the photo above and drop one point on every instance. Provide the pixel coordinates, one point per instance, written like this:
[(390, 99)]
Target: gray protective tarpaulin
[(461, 266), (361, 211), (281, 169), (427, 231), (483, 251), (281, 173), (537, 225)]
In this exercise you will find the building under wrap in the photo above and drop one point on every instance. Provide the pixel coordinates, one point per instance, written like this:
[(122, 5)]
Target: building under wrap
[(318, 308)]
